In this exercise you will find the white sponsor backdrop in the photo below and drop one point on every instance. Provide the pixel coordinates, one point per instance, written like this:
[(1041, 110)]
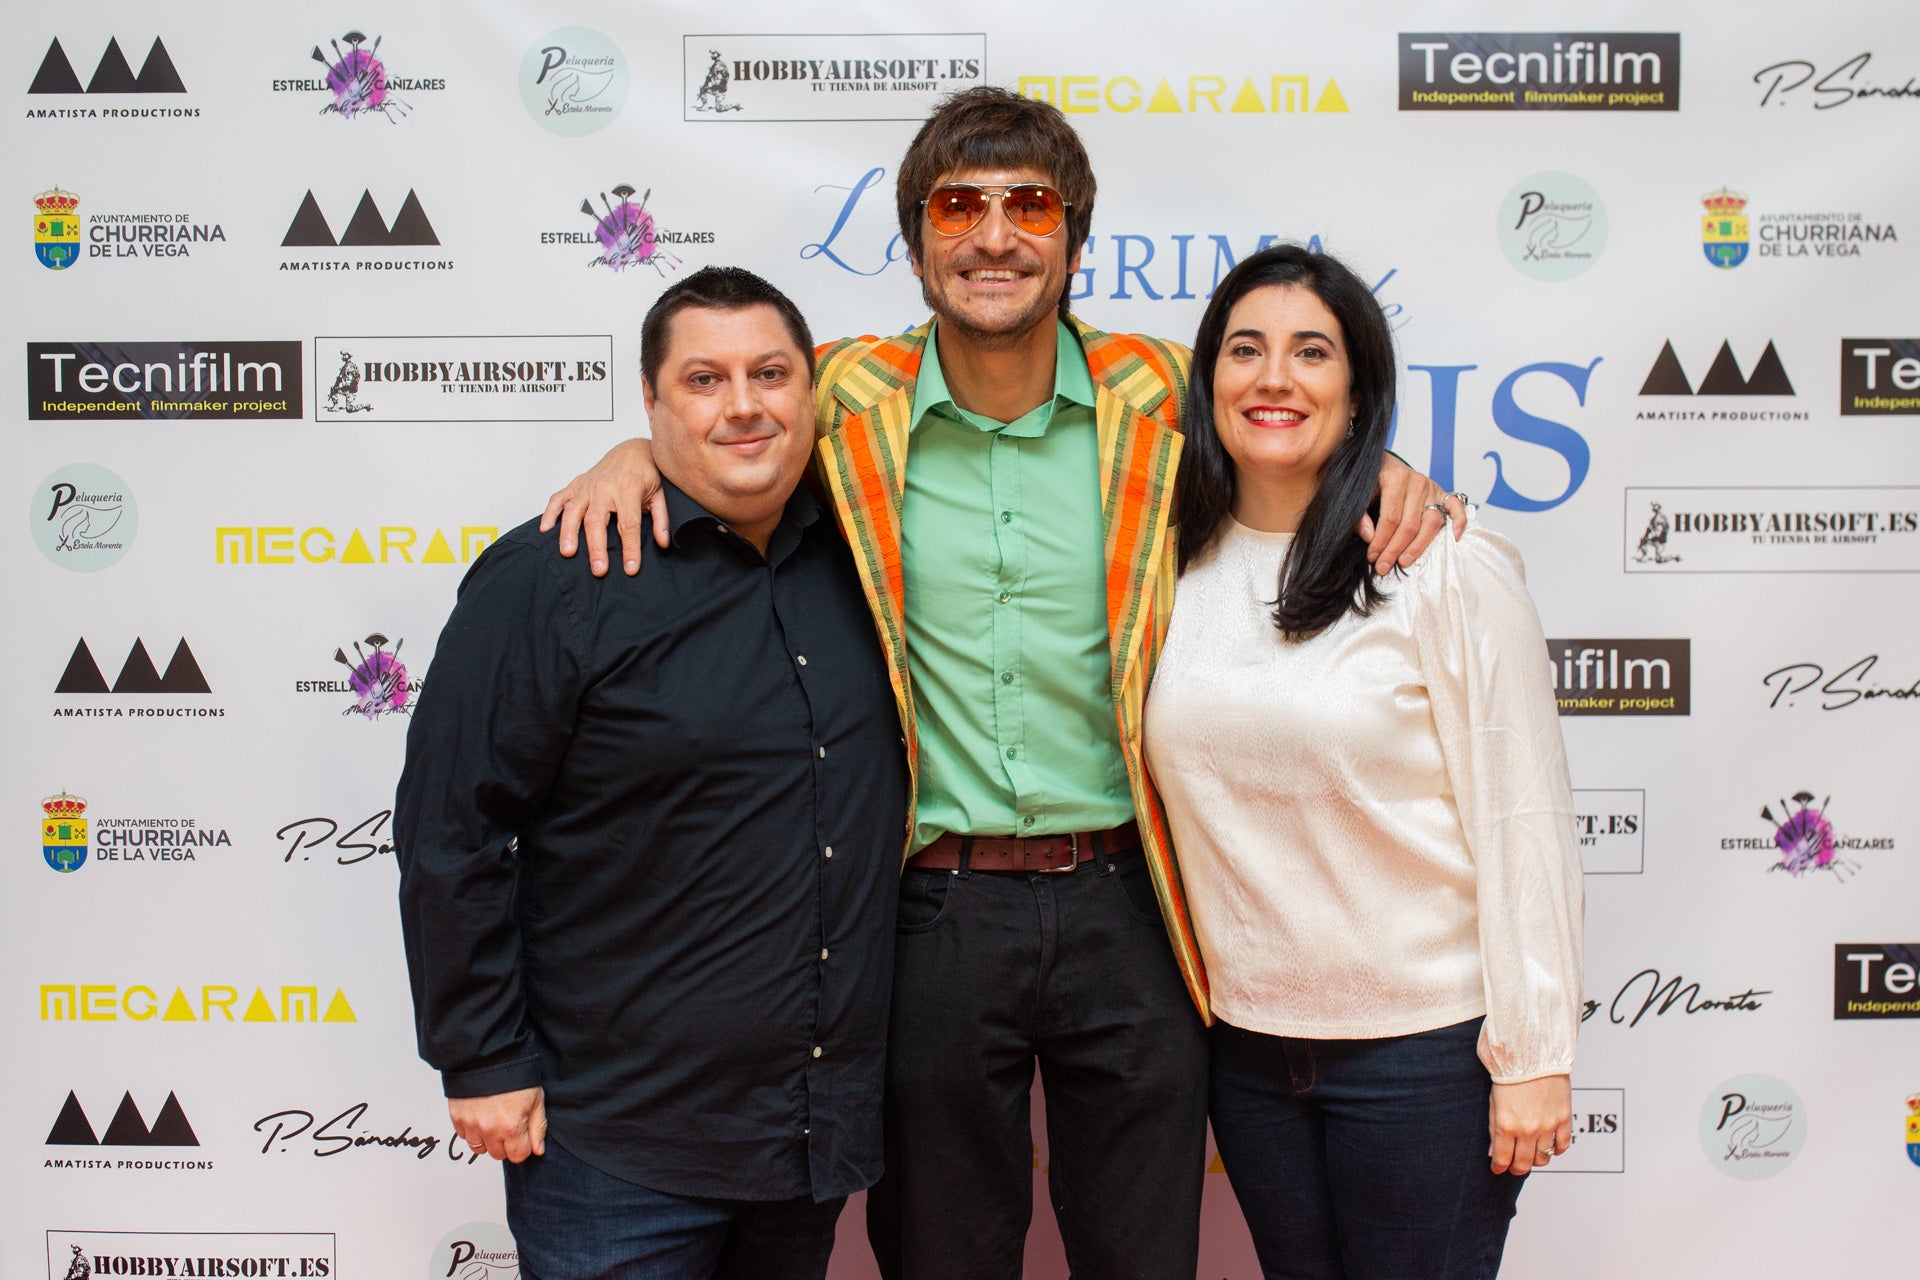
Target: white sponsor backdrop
[(260, 983)]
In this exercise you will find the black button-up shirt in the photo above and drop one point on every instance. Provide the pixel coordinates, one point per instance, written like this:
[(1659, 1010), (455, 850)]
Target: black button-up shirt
[(649, 837)]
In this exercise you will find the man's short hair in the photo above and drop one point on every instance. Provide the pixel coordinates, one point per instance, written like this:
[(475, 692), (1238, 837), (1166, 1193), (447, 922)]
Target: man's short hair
[(991, 128), (715, 289)]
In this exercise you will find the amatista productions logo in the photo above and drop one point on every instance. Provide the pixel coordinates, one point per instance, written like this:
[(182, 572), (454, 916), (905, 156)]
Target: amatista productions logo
[(170, 1127), (1241, 93), (463, 378), (1540, 71), (355, 82), (625, 233), (1772, 529), (389, 544), (56, 229), (1879, 376), (138, 673), (856, 76), (1803, 843), (181, 381), (366, 230), (94, 1255), (112, 76), (1668, 377), (1752, 1127), (208, 1003), (1874, 980), (1622, 677)]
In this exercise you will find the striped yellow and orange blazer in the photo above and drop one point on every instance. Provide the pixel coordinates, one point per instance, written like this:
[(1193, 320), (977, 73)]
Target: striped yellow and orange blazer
[(863, 398)]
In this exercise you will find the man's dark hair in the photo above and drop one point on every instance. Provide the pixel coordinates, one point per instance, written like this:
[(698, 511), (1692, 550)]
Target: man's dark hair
[(716, 289), (989, 128), (1326, 573)]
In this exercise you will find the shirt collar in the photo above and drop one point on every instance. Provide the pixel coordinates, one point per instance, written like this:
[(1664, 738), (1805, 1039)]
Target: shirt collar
[(802, 509), (1072, 384)]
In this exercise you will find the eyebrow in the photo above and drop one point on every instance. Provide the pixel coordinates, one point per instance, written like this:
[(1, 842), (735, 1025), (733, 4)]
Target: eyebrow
[(1297, 334), (765, 357)]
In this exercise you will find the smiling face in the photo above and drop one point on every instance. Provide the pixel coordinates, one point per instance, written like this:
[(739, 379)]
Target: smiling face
[(1282, 397), (995, 284), (732, 412)]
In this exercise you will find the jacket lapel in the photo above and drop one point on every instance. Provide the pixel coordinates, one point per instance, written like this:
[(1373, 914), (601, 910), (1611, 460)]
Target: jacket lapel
[(864, 408), (1139, 391)]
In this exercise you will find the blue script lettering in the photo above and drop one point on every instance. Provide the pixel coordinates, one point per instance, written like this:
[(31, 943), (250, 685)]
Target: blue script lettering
[(896, 248)]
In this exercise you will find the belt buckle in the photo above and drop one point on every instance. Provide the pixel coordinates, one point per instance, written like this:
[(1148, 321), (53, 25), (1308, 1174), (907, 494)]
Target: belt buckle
[(1073, 846)]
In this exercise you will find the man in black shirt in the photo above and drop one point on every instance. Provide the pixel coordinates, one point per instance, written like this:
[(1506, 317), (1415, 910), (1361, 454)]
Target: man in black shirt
[(649, 836)]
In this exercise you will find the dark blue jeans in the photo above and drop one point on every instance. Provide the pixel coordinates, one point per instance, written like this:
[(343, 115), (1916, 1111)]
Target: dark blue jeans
[(1362, 1159), (573, 1222)]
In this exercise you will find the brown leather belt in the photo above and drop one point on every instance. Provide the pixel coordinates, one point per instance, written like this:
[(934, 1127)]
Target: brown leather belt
[(1035, 853)]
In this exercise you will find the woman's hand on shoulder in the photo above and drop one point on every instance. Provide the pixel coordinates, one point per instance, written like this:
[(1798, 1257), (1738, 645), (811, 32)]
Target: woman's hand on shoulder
[(1530, 1123)]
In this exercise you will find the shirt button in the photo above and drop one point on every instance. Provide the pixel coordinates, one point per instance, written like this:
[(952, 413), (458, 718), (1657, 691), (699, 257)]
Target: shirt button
[(823, 953), (1006, 517), (1027, 821), (723, 528), (1013, 753), (816, 1051), (800, 658), (1006, 677), (829, 851), (823, 753), (1005, 596)]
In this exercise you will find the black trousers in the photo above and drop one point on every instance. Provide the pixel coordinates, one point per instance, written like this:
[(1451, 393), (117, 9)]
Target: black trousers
[(994, 972)]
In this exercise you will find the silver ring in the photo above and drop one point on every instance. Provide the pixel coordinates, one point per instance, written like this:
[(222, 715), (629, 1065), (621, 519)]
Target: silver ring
[(1543, 1155), (1441, 507), (1461, 498)]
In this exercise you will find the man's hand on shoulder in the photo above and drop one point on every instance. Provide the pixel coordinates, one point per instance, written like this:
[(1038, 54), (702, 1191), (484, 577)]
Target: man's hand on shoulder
[(621, 484), (1413, 510), (507, 1126)]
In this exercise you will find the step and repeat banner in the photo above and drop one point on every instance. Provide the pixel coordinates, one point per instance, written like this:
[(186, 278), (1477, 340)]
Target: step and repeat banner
[(319, 300)]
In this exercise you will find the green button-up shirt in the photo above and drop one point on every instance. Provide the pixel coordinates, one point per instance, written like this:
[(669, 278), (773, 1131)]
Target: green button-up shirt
[(1006, 614)]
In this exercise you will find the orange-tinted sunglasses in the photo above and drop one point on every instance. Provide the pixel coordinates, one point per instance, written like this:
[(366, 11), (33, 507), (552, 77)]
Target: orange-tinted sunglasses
[(956, 208)]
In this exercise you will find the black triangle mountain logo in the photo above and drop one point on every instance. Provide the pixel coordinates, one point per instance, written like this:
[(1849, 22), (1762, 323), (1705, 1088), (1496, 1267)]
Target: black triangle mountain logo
[(366, 229), (113, 74), (127, 1128), (137, 674), (1723, 378)]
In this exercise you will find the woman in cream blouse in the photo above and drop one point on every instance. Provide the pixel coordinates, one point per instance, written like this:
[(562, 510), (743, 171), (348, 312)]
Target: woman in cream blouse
[(1368, 792)]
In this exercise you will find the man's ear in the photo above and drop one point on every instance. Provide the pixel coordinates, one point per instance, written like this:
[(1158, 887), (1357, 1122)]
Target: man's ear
[(646, 394)]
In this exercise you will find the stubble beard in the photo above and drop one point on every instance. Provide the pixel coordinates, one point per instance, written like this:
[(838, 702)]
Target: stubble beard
[(1007, 337)]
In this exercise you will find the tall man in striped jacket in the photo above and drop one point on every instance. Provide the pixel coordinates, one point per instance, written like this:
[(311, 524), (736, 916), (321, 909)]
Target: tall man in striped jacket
[(1004, 474)]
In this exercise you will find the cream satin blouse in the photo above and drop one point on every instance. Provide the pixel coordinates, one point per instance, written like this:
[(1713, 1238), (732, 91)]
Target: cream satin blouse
[(1374, 827)]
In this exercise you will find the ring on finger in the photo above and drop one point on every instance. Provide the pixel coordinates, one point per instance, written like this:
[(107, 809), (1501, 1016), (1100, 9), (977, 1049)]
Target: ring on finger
[(1441, 507)]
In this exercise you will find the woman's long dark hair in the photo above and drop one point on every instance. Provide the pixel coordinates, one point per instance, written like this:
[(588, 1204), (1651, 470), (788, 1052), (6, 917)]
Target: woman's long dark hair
[(1326, 573)]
